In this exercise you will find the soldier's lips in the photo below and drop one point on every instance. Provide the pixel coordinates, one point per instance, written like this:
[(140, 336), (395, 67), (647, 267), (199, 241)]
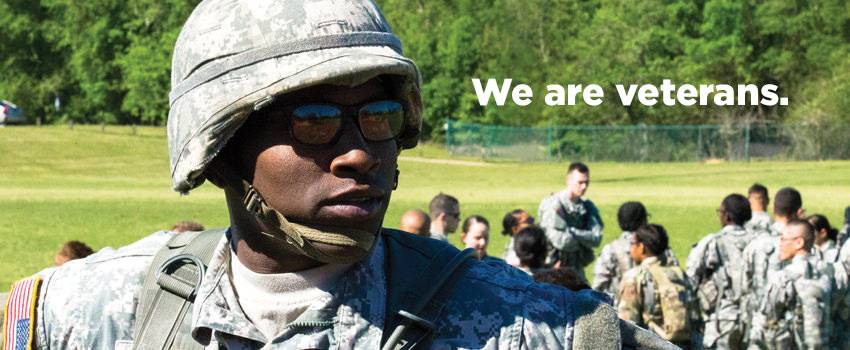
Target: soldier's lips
[(354, 208)]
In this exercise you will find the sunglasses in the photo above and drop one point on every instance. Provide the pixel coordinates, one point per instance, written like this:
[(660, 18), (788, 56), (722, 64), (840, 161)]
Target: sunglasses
[(321, 123)]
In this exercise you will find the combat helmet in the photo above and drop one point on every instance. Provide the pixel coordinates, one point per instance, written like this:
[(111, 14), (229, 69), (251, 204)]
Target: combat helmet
[(233, 57)]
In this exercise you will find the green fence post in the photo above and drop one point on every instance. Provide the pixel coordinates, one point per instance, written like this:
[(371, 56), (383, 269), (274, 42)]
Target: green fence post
[(747, 142), (699, 142), (549, 142), (448, 135)]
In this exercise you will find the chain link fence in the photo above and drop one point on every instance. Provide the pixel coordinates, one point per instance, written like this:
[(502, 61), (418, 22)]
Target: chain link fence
[(650, 143)]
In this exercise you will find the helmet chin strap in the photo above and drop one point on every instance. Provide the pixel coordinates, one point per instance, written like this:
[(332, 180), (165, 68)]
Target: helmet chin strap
[(302, 239)]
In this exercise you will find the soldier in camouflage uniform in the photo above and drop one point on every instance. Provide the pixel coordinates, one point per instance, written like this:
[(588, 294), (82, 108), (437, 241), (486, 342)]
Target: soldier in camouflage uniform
[(760, 255), (314, 101), (825, 248), (572, 223), (842, 235), (759, 199), (616, 258), (713, 267), (827, 251), (795, 311), (657, 297)]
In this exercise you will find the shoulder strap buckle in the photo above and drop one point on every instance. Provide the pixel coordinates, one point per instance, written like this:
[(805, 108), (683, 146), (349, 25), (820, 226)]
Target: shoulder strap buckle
[(185, 289)]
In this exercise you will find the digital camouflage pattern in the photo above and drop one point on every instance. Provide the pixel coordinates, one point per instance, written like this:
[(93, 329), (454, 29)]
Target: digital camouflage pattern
[(828, 251), (714, 270), (233, 57), (615, 260), (573, 229), (90, 304), (841, 312), (761, 260), (659, 298), (842, 235), (760, 222), (795, 312)]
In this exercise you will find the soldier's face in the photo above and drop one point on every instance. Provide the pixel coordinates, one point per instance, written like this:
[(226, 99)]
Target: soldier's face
[(452, 219), (636, 250), (790, 242), (477, 238), (345, 183), (523, 220), (577, 183)]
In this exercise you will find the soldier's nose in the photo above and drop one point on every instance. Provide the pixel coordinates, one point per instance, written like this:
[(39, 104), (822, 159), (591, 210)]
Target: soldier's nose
[(355, 155)]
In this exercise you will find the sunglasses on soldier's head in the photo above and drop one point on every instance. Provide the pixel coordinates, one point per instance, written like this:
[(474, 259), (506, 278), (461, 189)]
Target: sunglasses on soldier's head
[(321, 123)]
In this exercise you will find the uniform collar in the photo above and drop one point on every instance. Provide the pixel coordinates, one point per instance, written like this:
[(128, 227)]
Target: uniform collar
[(734, 229), (352, 307), (650, 261), (564, 198)]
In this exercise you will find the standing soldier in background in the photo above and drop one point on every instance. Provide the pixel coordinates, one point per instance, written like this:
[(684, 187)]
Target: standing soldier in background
[(795, 310), (658, 297), (572, 224), (512, 222), (759, 199), (825, 248), (828, 254), (760, 259), (714, 270), (445, 216), (842, 235), (415, 221), (616, 258)]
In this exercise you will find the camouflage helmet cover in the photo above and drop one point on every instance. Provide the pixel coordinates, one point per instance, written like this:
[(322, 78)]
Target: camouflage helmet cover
[(235, 56)]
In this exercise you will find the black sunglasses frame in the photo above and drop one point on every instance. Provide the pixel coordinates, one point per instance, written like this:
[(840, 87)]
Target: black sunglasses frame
[(287, 112)]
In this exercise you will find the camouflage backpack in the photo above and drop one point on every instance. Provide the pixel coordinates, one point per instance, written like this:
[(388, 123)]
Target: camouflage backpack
[(672, 293)]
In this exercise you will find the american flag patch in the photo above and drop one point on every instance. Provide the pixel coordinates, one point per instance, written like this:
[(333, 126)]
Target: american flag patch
[(20, 307)]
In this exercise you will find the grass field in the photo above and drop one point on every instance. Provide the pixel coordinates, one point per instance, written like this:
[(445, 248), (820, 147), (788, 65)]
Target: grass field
[(111, 188)]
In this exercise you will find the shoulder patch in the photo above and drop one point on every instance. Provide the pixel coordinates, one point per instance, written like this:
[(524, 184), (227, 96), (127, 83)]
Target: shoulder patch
[(18, 322)]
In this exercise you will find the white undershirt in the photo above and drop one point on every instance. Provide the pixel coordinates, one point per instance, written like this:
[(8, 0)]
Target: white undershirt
[(272, 301)]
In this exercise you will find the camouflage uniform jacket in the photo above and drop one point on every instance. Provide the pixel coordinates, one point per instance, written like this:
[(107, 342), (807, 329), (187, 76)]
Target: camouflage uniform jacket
[(639, 302), (91, 304), (841, 312), (794, 313), (760, 222), (827, 252), (713, 267), (842, 235), (572, 228), (761, 260), (615, 260)]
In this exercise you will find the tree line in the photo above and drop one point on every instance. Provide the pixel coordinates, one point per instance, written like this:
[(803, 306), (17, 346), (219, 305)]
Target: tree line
[(108, 61)]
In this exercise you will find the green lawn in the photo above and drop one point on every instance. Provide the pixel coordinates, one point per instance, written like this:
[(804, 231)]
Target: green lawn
[(111, 188)]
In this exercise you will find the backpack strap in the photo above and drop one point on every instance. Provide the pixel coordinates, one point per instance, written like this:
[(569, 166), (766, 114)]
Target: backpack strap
[(424, 272), (169, 291)]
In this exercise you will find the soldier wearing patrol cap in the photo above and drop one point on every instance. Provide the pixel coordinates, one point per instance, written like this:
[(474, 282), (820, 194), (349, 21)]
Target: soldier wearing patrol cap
[(298, 111)]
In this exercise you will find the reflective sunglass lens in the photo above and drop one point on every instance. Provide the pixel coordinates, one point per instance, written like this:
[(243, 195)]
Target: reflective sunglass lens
[(316, 124), (382, 120)]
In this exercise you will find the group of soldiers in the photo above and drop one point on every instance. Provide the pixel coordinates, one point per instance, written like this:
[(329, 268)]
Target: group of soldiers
[(761, 282)]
